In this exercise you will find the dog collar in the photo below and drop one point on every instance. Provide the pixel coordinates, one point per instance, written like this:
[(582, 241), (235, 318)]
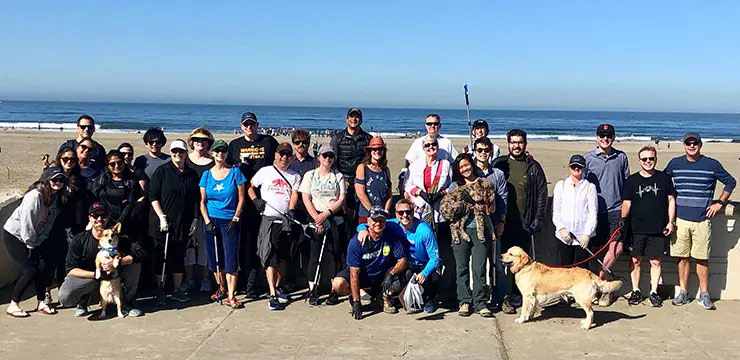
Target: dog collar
[(112, 251)]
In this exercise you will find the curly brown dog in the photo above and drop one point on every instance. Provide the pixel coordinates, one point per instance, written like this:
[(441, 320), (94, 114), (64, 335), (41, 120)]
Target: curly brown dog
[(540, 283)]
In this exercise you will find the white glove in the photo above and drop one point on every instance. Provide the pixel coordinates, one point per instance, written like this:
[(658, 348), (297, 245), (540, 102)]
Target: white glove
[(163, 227), (584, 240), (565, 235)]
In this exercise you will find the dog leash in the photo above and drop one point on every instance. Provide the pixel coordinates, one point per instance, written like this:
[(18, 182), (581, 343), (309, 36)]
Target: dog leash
[(594, 254)]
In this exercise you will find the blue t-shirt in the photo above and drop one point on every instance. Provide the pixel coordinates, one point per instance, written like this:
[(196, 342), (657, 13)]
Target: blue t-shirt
[(222, 195), (376, 257), (421, 242)]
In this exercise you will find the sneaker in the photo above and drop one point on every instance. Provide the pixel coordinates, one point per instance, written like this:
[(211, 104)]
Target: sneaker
[(635, 297), (205, 286), (706, 301), (47, 298), (274, 303), (188, 285), (160, 300), (681, 298), (605, 300), (484, 312), (132, 310), (180, 295), (251, 293), (429, 307), (81, 310), (313, 298), (282, 297), (388, 307), (655, 300), (333, 299), (366, 299), (507, 308), (464, 310)]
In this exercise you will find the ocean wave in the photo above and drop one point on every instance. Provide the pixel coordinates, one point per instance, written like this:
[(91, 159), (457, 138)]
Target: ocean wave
[(23, 125)]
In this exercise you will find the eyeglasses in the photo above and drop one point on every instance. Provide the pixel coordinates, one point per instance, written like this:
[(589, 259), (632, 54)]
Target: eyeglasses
[(301, 142), (114, 164), (434, 144), (646, 159), (155, 143), (68, 159), (432, 124), (608, 136), (483, 150), (691, 143), (220, 150), (328, 155), (285, 153), (85, 147), (86, 127), (404, 212)]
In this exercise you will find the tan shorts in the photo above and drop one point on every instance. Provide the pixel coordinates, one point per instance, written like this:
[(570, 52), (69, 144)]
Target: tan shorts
[(691, 238)]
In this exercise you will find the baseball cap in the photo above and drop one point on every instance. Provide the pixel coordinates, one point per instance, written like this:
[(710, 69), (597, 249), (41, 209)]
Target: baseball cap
[(52, 172), (692, 135), (354, 110), (376, 143), (325, 148), (577, 160), (480, 123), (178, 144), (607, 129), (97, 209), (378, 212), (219, 144), (284, 146), (248, 116)]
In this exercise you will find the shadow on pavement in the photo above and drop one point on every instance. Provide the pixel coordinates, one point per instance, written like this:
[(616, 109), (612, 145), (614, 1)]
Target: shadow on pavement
[(601, 317)]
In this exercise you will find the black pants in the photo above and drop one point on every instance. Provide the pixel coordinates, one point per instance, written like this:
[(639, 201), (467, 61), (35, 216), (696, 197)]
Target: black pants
[(430, 285), (248, 260), (32, 267), (334, 252), (571, 254), (515, 234), (448, 283)]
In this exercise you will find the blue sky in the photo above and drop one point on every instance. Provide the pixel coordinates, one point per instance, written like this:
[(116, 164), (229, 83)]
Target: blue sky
[(589, 55)]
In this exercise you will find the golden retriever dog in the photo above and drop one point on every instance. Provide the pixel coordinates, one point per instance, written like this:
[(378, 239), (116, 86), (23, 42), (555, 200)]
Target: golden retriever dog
[(110, 286), (540, 284)]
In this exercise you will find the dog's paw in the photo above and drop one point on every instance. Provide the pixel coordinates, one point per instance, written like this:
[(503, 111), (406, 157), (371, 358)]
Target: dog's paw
[(519, 320), (585, 325), (120, 315)]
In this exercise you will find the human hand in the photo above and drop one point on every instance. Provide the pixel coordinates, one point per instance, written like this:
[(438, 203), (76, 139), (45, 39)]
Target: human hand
[(259, 204), (163, 226), (565, 235), (319, 219), (233, 227), (584, 239), (499, 230), (713, 209), (420, 278), (357, 310), (668, 229), (622, 224), (320, 230), (536, 226), (362, 237), (290, 215), (424, 196), (106, 263), (388, 283)]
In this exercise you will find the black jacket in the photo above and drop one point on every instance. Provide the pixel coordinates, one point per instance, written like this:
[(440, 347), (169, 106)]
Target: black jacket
[(120, 197), (177, 193), (536, 190), (350, 150), (84, 248)]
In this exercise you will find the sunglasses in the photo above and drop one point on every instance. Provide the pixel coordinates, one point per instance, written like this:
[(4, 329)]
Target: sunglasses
[(86, 127), (646, 159), (85, 147), (127, 154), (178, 151), (220, 150), (483, 150), (114, 164), (58, 180), (98, 216), (68, 159), (285, 153), (328, 155), (608, 136), (432, 124), (249, 124), (201, 140), (404, 212), (691, 143), (155, 143), (435, 144), (576, 167), (301, 142)]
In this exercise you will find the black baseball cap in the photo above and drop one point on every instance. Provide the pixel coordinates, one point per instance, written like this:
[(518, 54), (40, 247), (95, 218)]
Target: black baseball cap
[(97, 209), (52, 172), (354, 110), (607, 129), (480, 123), (378, 212), (248, 116), (577, 160), (692, 135)]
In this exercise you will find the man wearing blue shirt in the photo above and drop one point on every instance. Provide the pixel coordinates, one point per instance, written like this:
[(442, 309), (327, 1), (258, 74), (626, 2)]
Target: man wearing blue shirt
[(423, 251), (374, 266)]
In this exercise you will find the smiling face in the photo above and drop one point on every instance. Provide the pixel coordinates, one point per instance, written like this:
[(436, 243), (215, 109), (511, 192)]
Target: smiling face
[(466, 169), (201, 145), (376, 226), (115, 165), (327, 159), (354, 120), (433, 125), (57, 183), (576, 171), (84, 149), (377, 154), (479, 132), (283, 158), (605, 141), (517, 146), (404, 213), (219, 154), (85, 128), (648, 159), (250, 129), (178, 156), (128, 154), (692, 147), (155, 146), (515, 258), (68, 160), (482, 152)]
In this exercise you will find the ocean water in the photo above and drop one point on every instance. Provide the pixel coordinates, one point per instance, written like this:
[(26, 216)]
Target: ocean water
[(539, 124)]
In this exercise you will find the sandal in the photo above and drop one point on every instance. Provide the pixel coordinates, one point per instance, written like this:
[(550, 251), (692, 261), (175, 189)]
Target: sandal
[(218, 296), (234, 303), (18, 314), (47, 310)]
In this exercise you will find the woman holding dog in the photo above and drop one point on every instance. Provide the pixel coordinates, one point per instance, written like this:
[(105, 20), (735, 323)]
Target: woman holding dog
[(221, 200), (464, 172), (26, 231)]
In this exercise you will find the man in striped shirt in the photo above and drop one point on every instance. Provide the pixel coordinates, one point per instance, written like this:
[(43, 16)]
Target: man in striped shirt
[(695, 177)]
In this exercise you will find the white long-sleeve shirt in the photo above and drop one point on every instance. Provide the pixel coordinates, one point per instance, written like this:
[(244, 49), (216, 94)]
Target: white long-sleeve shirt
[(575, 208)]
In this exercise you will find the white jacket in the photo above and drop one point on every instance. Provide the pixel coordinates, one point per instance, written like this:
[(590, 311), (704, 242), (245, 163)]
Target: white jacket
[(415, 179), (31, 221), (574, 208)]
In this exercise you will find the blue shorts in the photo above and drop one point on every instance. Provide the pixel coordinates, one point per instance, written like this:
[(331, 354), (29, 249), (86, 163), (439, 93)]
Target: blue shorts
[(227, 244)]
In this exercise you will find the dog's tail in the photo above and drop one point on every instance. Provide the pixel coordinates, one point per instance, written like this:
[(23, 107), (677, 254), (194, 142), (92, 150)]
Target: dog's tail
[(608, 286)]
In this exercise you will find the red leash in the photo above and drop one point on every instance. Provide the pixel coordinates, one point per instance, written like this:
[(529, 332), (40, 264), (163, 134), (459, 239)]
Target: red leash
[(596, 254)]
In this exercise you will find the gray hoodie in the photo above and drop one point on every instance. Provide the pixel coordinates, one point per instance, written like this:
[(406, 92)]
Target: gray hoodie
[(31, 221)]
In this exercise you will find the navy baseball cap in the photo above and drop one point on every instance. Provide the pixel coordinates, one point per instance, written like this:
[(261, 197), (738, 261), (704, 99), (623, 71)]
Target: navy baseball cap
[(354, 110), (606, 129), (577, 160), (692, 135), (480, 123), (378, 212), (52, 172), (248, 116)]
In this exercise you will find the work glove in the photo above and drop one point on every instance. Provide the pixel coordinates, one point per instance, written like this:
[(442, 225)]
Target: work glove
[(622, 224), (290, 215), (163, 226), (536, 226), (233, 227), (356, 310), (388, 283), (259, 204), (211, 228), (193, 227), (584, 239), (565, 235), (424, 196), (437, 196)]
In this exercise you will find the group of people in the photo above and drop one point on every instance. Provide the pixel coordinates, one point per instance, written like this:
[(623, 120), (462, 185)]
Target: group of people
[(212, 212)]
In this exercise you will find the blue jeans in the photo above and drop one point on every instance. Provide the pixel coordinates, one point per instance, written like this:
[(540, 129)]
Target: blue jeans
[(227, 245)]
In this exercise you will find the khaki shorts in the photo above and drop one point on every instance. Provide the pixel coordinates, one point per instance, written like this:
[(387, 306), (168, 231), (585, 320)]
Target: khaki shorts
[(691, 238)]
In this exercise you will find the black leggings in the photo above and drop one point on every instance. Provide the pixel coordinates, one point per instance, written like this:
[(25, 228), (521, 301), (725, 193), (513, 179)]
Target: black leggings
[(31, 265), (332, 259)]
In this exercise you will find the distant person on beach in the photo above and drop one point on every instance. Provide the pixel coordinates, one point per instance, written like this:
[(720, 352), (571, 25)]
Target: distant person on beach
[(480, 130), (607, 168), (277, 198), (26, 233), (86, 129), (526, 205), (695, 177), (250, 153), (648, 216)]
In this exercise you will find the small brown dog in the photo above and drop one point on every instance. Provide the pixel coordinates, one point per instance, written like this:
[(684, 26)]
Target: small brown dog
[(110, 284), (455, 207), (540, 283)]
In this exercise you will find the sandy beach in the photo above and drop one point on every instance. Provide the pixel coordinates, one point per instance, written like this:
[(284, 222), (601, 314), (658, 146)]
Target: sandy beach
[(21, 152)]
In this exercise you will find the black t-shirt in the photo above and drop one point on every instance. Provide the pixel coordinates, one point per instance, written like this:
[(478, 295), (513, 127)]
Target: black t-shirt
[(84, 248), (251, 156), (177, 193), (649, 197)]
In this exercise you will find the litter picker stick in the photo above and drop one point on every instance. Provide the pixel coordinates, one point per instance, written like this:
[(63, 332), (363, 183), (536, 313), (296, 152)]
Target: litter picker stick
[(164, 263), (318, 266), (467, 110), (218, 270)]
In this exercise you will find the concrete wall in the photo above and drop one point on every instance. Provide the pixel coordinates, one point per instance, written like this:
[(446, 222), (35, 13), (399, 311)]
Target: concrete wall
[(8, 269)]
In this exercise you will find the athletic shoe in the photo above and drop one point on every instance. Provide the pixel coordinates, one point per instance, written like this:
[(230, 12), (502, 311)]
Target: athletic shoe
[(366, 299), (283, 298), (131, 310), (188, 285), (507, 308), (464, 310), (681, 298), (485, 312), (47, 298), (313, 299), (605, 300), (333, 299), (655, 300), (205, 286), (429, 307), (705, 301), (635, 297), (180, 295), (81, 310), (388, 307), (274, 303)]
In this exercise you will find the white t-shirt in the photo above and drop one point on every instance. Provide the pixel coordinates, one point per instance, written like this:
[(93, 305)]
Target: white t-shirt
[(274, 189), (416, 151), (324, 190)]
